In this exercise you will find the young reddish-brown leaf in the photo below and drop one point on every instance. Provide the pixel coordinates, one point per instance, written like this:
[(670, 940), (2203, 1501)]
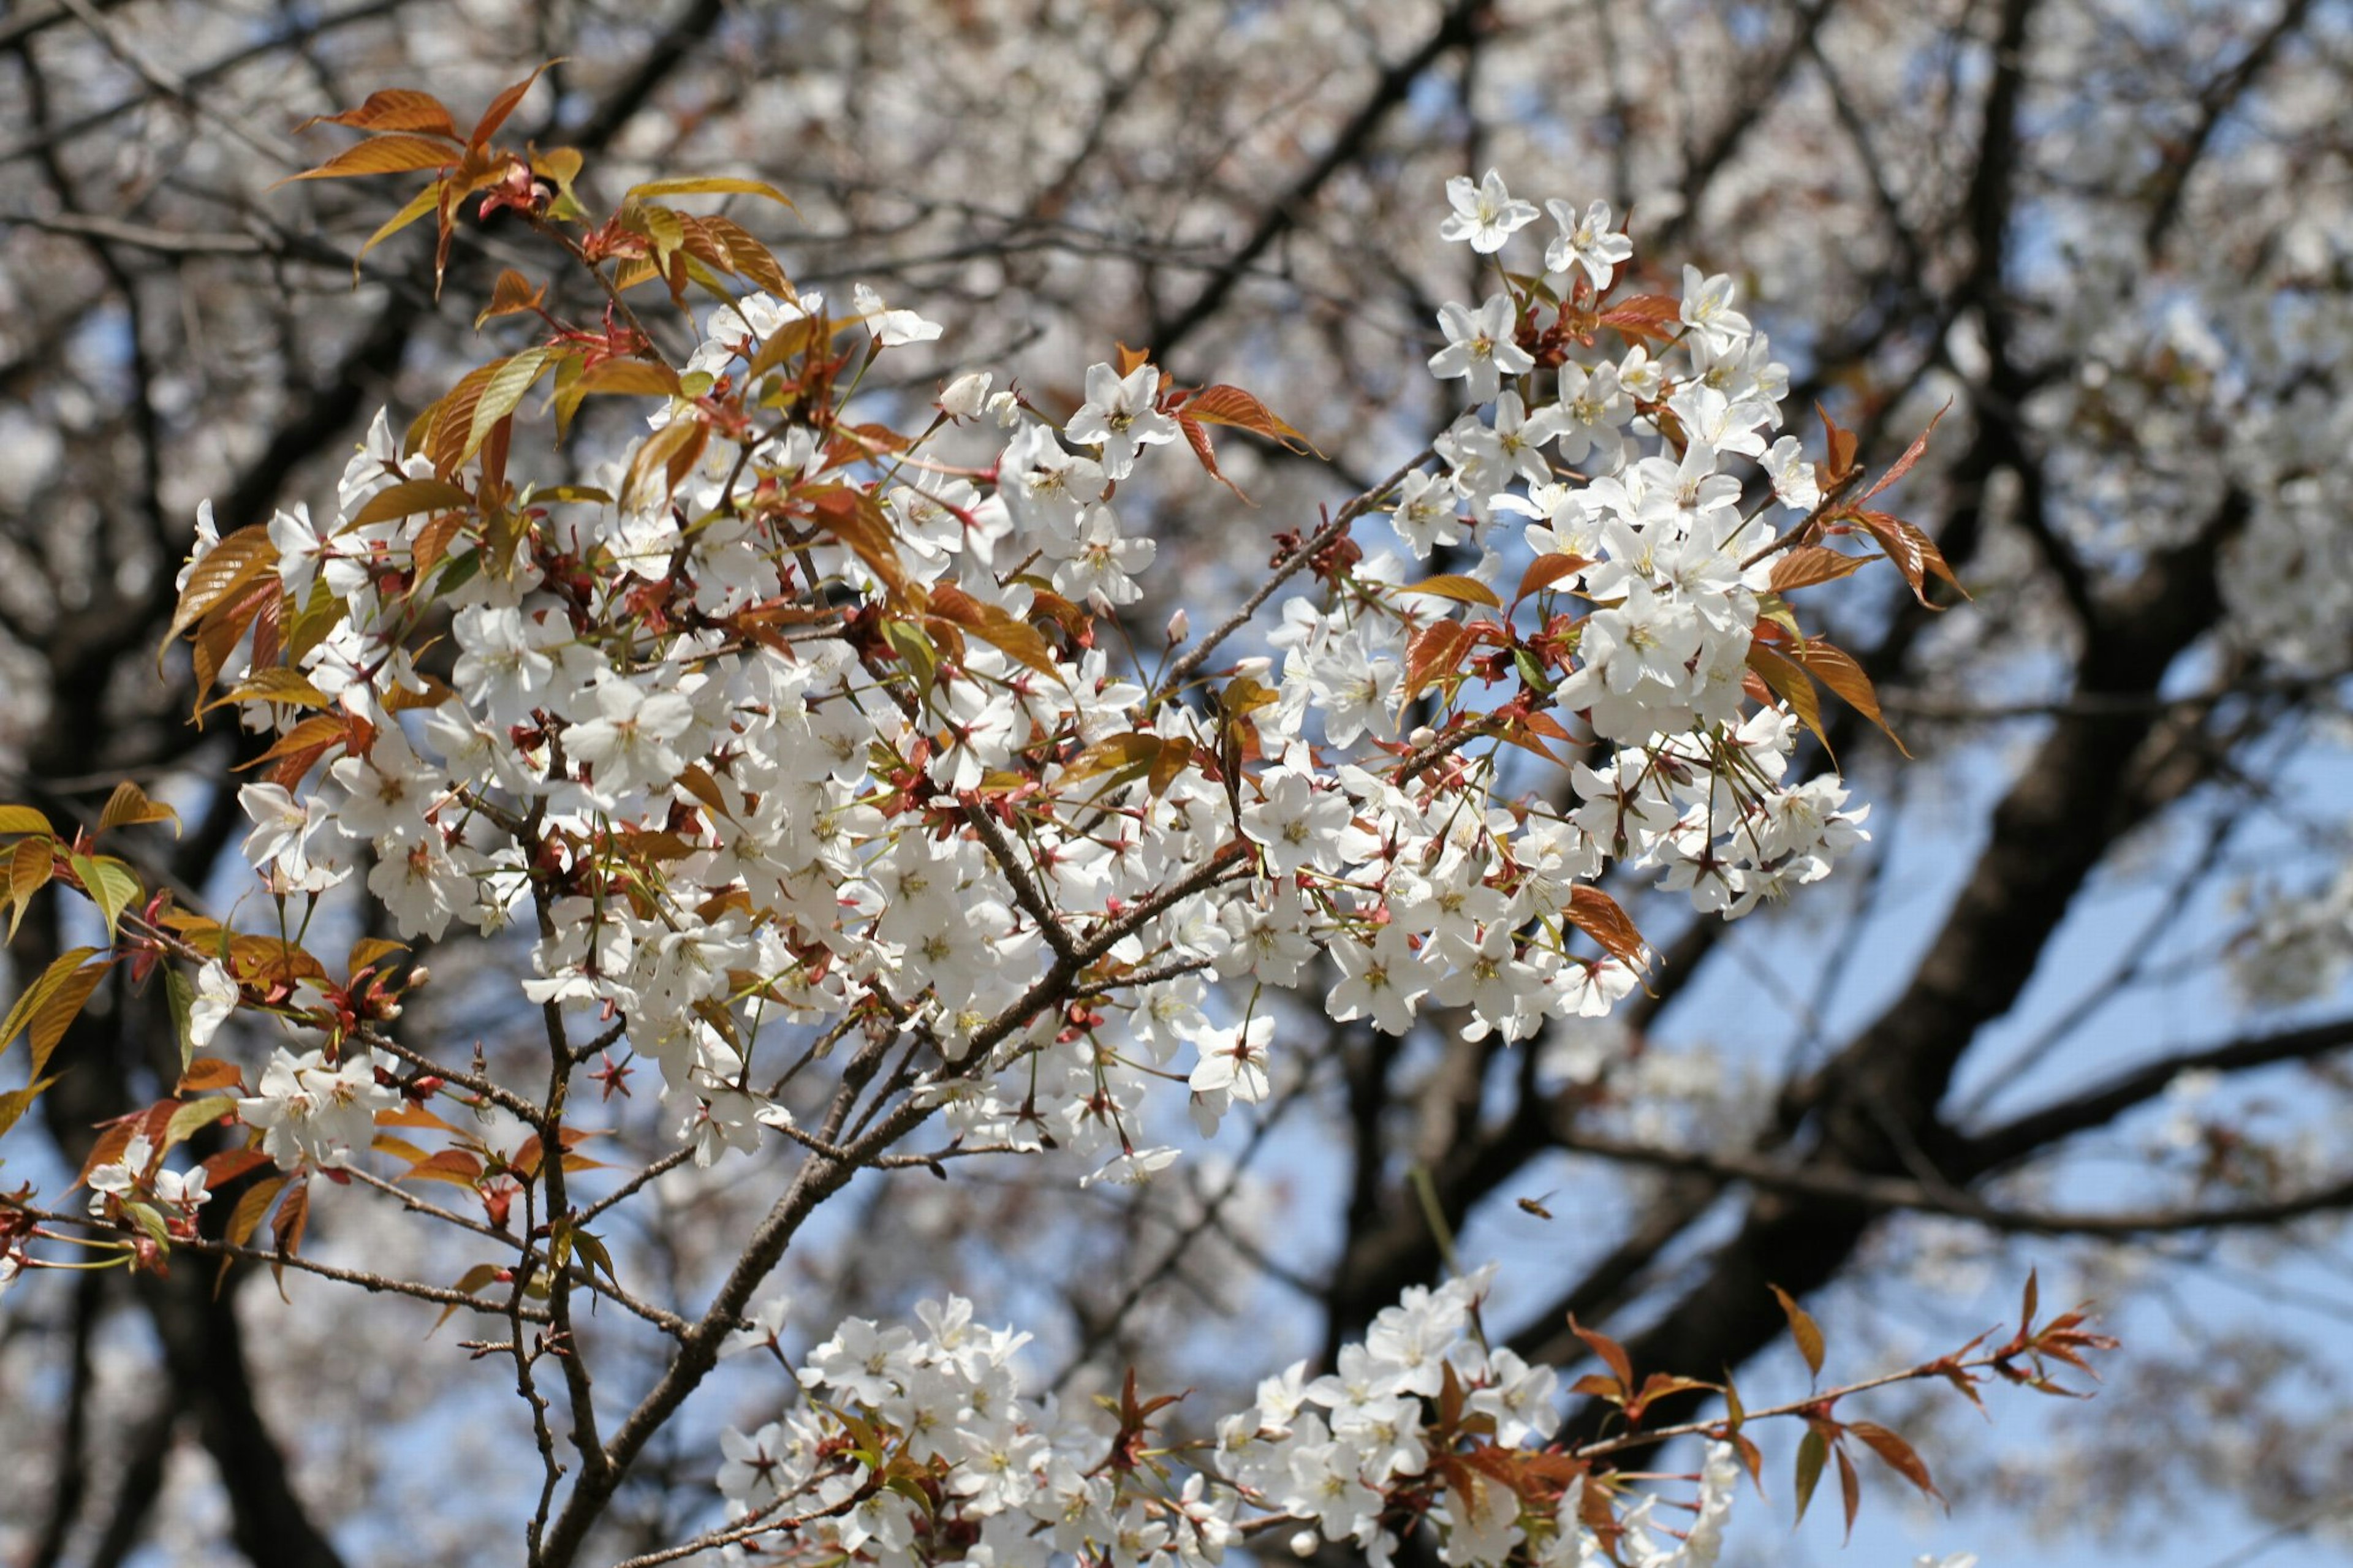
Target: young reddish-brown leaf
[(1813, 1451), (1598, 916), (456, 1167), (615, 377), (293, 1218), (207, 1073), (1911, 455), (1789, 682), (394, 154), (751, 258), (1128, 359), (1841, 462), (1840, 672), (1752, 1458), (470, 1282), (1546, 569), (226, 1166), (1897, 1455), (226, 568), (1433, 652), (1611, 1353), (1850, 1487), (512, 294), (1197, 436), (1593, 1386), (393, 108), (856, 519), (2028, 1302), (1639, 318), (1810, 564), (1232, 406), (1803, 1329), (1914, 553), (503, 105)]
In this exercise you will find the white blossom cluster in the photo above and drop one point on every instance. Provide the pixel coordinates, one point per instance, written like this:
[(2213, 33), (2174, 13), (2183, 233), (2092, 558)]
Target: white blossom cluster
[(821, 760), (919, 1448)]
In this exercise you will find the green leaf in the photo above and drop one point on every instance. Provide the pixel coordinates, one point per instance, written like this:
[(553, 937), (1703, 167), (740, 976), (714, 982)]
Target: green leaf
[(22, 819), (1812, 1454), (14, 1103), (180, 995), (195, 1114), (709, 186), (110, 883)]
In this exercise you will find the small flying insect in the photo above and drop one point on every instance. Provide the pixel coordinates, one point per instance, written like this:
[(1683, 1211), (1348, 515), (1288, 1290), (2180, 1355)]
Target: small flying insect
[(1536, 1206)]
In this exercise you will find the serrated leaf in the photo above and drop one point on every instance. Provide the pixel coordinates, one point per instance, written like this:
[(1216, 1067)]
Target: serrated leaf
[(709, 186), (1911, 455), (614, 377), (31, 864), (455, 1166), (110, 884), (1802, 1328), (393, 108), (1810, 564), (205, 1073), (1840, 672), (423, 202), (503, 105), (129, 807), (512, 294), (1230, 406), (1897, 1455), (501, 394), (195, 1115), (1460, 589), (278, 684), (1789, 682), (395, 153), (1599, 916), (57, 1000), (15, 1102), (1546, 569), (1433, 652), (22, 819), (226, 568), (408, 498)]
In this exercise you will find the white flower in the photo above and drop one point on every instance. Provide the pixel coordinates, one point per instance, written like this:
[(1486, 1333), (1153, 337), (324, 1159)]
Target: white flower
[(215, 999), (1479, 347), (1585, 242), (891, 329), (1119, 414), (1484, 213), (967, 395)]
